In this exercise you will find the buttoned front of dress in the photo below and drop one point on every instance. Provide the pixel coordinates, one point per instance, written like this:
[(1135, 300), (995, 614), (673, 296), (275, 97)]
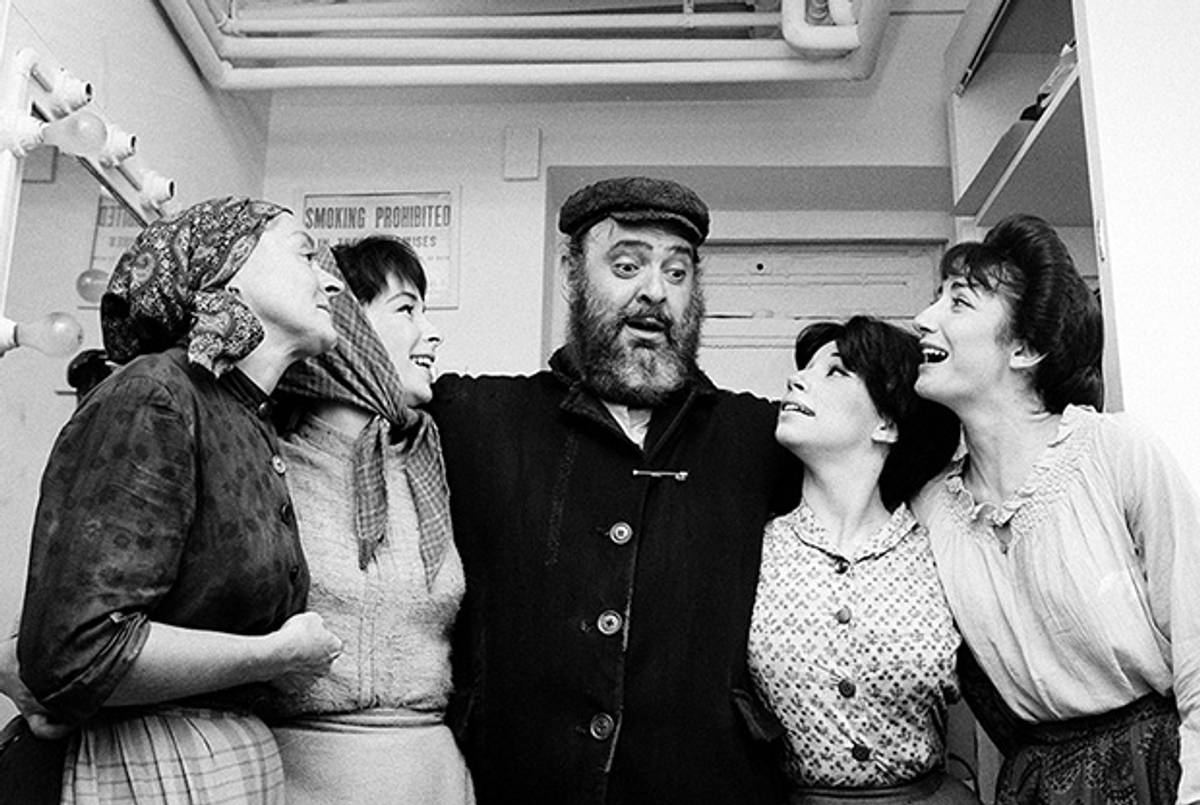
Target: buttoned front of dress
[(855, 654), (165, 498)]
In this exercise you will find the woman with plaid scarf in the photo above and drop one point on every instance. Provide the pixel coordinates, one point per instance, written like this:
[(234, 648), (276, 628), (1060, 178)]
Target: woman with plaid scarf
[(365, 469)]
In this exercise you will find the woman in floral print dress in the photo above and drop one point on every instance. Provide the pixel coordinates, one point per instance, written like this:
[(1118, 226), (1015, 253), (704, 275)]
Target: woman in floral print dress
[(851, 642)]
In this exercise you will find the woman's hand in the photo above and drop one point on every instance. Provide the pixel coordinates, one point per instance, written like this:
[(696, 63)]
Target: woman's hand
[(177, 662), (304, 646), (39, 719)]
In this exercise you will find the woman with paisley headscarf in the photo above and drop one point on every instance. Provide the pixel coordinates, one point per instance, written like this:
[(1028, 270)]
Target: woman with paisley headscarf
[(365, 468), (166, 573)]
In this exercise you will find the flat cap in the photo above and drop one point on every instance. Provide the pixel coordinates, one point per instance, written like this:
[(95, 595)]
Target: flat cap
[(634, 199)]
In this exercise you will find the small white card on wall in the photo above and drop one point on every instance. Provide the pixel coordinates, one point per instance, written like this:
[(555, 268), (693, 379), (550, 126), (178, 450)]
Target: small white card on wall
[(426, 220)]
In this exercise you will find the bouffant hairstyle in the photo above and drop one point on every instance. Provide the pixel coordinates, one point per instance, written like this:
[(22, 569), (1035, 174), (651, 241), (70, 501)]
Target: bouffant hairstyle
[(367, 263), (1050, 307), (887, 359)]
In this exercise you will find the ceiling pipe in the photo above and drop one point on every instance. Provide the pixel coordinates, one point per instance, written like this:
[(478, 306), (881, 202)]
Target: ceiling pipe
[(188, 25), (200, 33), (861, 40), (506, 50), (513, 75), (313, 24), (450, 8)]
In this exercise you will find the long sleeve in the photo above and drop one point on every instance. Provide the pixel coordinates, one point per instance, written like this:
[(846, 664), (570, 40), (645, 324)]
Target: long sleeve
[(1164, 519), (117, 499)]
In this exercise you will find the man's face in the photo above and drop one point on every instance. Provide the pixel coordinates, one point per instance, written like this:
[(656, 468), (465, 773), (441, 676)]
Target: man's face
[(636, 309)]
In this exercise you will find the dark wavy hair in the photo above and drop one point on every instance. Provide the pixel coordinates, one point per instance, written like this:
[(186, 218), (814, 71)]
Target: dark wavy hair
[(1050, 307), (886, 359), (368, 262)]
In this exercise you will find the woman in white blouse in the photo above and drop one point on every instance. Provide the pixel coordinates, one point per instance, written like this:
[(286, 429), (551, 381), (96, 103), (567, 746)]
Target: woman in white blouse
[(1066, 539), (851, 642)]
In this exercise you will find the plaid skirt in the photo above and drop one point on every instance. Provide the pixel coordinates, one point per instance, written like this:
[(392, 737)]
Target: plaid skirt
[(1129, 756), (174, 755)]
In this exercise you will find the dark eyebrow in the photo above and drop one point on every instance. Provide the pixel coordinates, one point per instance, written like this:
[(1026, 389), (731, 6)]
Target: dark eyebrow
[(306, 240), (638, 245), (402, 294), (641, 245)]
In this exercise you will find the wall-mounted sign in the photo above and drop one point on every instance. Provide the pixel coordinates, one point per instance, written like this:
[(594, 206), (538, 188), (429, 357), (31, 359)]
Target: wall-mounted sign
[(116, 229), (428, 221)]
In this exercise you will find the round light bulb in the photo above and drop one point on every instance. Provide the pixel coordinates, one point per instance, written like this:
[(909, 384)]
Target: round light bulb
[(55, 334), (82, 134), (91, 284)]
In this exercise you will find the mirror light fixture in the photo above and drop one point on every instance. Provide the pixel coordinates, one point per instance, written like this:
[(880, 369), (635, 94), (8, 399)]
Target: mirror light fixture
[(91, 284), (82, 134), (55, 334), (64, 92), (59, 119), (121, 145), (154, 189)]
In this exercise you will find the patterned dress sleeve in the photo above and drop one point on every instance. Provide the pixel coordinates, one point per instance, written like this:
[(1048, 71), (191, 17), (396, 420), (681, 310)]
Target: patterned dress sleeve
[(117, 499), (1163, 514)]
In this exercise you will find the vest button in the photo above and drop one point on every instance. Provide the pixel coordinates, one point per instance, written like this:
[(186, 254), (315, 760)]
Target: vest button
[(609, 622), (620, 532), (601, 727)]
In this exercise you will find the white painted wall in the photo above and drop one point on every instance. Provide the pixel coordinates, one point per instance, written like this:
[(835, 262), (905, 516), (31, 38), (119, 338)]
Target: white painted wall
[(211, 145), (1143, 127), (373, 140)]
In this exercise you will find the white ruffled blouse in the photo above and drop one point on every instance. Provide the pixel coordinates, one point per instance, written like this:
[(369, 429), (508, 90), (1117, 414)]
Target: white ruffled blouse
[(1079, 593)]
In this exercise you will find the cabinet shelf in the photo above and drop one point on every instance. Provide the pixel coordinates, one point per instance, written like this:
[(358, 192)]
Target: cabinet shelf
[(1047, 175)]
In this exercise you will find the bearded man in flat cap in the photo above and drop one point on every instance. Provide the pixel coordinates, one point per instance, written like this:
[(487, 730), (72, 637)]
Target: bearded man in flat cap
[(609, 513)]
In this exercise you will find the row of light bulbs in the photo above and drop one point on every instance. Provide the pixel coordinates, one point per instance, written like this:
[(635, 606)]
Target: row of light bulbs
[(77, 131)]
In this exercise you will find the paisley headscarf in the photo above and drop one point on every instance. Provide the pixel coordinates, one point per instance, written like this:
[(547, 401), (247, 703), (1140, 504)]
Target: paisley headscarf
[(359, 371), (169, 287)]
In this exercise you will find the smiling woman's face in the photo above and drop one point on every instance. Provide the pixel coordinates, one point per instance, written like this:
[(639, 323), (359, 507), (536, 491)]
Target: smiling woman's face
[(966, 354), (411, 341)]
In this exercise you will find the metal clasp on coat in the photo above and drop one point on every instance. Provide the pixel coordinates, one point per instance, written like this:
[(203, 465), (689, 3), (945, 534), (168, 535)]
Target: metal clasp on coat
[(678, 475)]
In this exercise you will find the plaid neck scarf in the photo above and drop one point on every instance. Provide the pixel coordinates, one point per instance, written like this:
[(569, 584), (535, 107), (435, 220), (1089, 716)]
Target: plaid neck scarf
[(358, 371), (169, 286)]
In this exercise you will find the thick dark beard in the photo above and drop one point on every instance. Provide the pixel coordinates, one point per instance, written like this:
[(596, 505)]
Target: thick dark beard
[(637, 376)]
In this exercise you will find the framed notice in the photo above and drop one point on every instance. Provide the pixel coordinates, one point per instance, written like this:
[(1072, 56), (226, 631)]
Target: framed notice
[(116, 230), (427, 221)]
